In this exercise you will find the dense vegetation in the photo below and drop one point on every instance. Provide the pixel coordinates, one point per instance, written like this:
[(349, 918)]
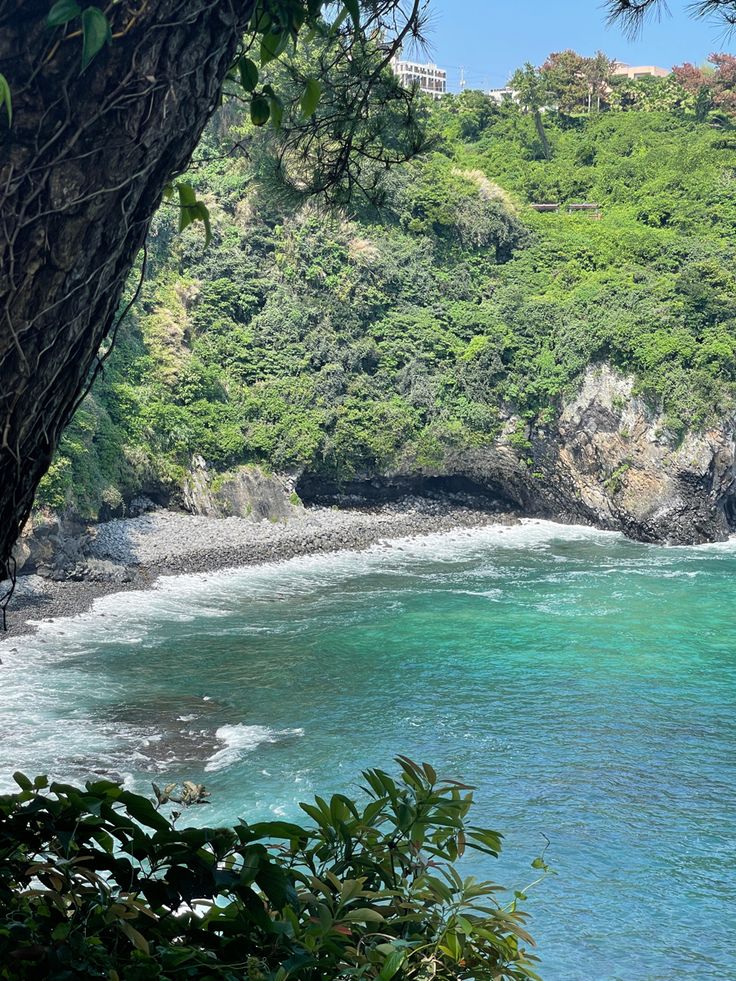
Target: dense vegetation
[(368, 890), (398, 335)]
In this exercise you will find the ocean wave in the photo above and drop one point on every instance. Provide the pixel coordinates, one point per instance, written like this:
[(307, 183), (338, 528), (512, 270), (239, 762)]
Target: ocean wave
[(493, 594), (188, 597), (240, 739)]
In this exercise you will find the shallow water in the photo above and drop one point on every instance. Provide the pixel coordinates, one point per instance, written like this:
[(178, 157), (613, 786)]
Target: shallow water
[(584, 683)]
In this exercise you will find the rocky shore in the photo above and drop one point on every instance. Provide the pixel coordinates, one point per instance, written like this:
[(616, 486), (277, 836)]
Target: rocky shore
[(132, 553)]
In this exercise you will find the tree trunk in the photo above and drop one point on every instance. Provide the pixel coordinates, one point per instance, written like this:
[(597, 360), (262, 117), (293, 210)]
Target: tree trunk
[(82, 170), (542, 134)]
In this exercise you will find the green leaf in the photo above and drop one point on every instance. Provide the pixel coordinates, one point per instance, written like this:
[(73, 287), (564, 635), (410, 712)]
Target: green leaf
[(187, 203), (311, 97), (272, 45), (539, 863), (6, 98), (277, 885), (260, 110), (277, 111), (364, 916), (315, 813), (276, 829), (135, 937), (483, 839), (325, 917), (143, 811), (62, 12), (106, 788), (95, 34), (22, 780), (202, 213), (391, 965), (191, 210), (452, 946), (248, 71)]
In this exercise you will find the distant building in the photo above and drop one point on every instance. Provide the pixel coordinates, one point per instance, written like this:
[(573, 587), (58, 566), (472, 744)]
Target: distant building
[(640, 71), (428, 78), (502, 95)]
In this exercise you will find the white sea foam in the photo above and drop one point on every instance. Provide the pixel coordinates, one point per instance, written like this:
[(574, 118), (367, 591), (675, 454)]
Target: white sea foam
[(241, 739), (189, 597), (728, 546), (492, 594)]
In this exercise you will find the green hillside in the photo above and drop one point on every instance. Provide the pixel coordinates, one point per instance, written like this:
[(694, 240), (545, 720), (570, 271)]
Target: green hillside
[(349, 344)]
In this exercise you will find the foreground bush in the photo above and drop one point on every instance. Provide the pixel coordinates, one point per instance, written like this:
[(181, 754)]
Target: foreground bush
[(98, 883)]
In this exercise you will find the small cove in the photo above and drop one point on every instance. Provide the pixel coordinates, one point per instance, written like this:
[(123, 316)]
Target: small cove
[(584, 683)]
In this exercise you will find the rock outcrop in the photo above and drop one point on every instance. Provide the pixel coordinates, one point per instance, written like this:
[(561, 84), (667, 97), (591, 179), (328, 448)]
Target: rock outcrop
[(244, 492), (608, 460), (49, 544), (618, 460)]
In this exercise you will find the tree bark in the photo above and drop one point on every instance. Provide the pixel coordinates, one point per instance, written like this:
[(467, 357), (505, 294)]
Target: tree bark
[(82, 170), (541, 133)]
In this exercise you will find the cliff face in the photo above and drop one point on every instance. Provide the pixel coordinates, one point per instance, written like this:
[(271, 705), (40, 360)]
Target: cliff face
[(614, 455), (608, 460)]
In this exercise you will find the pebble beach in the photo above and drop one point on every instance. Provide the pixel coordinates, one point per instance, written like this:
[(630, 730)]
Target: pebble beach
[(131, 553)]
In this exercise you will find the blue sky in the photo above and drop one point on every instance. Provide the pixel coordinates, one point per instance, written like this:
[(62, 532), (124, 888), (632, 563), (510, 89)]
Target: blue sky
[(492, 37)]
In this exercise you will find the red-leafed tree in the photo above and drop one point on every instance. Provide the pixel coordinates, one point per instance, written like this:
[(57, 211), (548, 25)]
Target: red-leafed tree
[(690, 77), (724, 81), (719, 82), (565, 73)]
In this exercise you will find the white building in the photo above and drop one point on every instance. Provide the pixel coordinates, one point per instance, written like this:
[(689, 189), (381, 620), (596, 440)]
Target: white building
[(502, 95), (428, 78), (640, 71)]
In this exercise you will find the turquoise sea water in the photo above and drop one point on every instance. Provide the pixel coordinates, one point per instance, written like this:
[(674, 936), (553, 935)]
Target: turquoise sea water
[(585, 684)]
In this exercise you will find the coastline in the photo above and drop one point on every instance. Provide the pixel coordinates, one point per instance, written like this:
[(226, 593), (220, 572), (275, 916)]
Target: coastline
[(132, 553)]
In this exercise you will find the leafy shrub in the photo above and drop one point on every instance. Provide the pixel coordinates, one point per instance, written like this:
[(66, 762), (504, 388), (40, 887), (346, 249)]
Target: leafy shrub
[(55, 488), (96, 882)]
